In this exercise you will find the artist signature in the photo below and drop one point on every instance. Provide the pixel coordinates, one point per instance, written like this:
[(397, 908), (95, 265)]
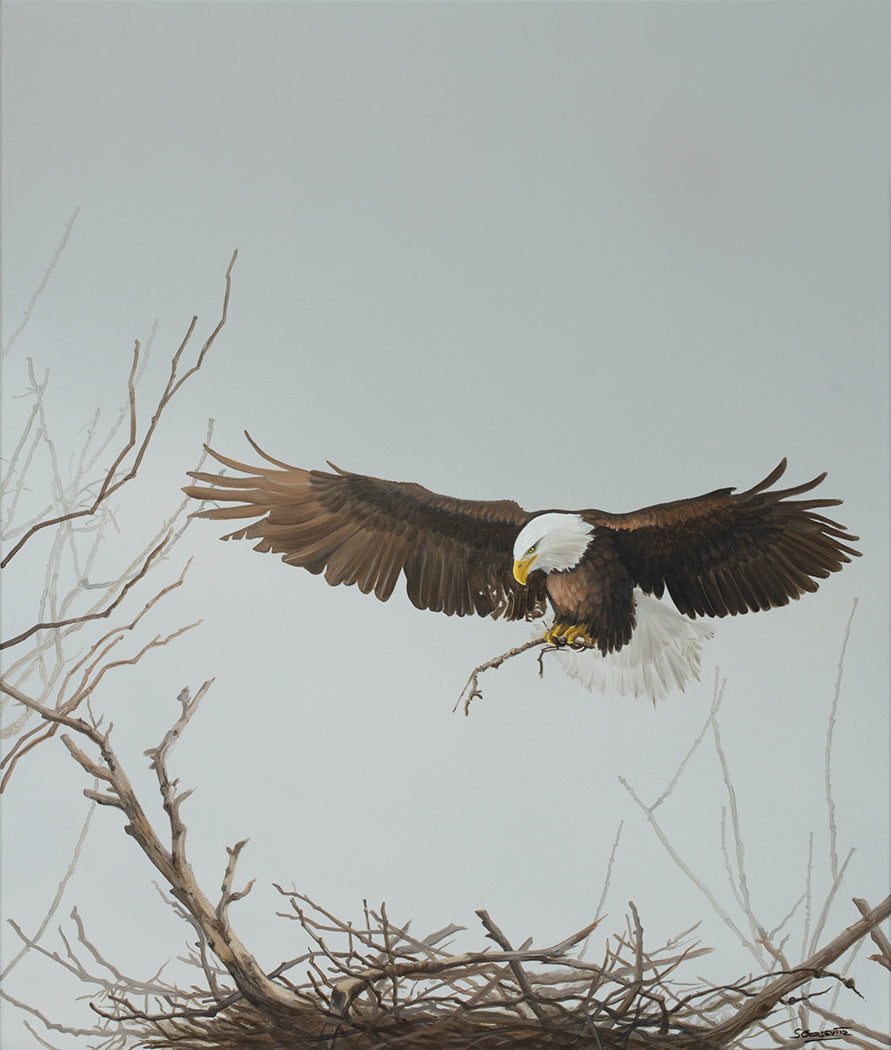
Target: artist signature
[(806, 1036)]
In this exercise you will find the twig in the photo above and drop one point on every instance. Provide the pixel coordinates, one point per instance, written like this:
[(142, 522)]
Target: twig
[(57, 899), (635, 988), (43, 283), (717, 697), (515, 965), (878, 1038), (830, 897), (830, 730), (877, 935), (763, 1003), (598, 911), (741, 880), (51, 1026), (171, 863), (472, 691), (685, 868), (227, 896), (85, 617), (174, 383)]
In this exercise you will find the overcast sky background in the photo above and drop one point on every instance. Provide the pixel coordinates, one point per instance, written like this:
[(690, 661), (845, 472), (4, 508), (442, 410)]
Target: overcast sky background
[(576, 255)]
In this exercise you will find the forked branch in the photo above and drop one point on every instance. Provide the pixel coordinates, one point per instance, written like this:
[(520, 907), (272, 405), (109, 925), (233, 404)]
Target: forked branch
[(111, 483), (472, 690), (171, 861), (101, 614), (761, 1005)]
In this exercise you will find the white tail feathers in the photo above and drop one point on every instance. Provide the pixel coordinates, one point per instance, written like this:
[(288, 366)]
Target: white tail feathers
[(664, 653)]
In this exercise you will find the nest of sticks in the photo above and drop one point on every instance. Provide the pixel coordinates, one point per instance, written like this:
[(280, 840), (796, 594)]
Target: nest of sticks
[(383, 987), (386, 988)]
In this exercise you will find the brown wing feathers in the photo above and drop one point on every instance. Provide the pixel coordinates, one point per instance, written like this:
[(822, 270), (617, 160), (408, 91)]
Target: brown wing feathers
[(456, 554), (718, 554), (727, 553)]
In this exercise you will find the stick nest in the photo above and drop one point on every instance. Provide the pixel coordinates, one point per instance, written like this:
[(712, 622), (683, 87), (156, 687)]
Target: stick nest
[(383, 988)]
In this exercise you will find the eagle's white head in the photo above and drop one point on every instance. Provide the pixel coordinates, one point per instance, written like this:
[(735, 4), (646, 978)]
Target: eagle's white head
[(551, 542)]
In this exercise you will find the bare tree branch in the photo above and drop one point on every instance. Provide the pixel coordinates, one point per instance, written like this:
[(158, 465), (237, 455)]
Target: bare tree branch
[(761, 1005), (104, 614), (43, 283), (171, 862), (110, 484), (877, 935), (94, 664), (685, 868), (472, 691), (830, 730), (57, 899), (516, 966)]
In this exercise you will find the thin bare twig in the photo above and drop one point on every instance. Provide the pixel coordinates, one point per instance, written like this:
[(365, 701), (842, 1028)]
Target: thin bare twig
[(759, 1006), (57, 899), (110, 484), (43, 283), (102, 614), (171, 862), (830, 731), (228, 896), (741, 881), (877, 935), (515, 965), (472, 691), (717, 697), (598, 911), (685, 868), (94, 664)]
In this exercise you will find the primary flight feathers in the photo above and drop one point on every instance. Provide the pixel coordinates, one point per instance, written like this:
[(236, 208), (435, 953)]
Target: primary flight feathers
[(721, 553)]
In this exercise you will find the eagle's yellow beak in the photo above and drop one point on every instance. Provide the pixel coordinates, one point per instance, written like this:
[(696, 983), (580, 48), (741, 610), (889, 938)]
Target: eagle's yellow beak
[(522, 567)]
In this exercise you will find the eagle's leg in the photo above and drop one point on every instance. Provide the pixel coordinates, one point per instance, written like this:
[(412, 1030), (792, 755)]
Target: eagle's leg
[(562, 633), (554, 634)]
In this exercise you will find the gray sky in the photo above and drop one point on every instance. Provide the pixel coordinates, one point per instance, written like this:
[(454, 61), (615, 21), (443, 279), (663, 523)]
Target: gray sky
[(575, 255)]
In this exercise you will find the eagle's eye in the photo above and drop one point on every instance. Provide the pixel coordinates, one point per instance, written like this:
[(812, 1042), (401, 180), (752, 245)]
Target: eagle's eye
[(532, 549)]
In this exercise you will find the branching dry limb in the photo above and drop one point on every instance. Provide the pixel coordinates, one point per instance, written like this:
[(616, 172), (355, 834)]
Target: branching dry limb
[(762, 1004), (472, 691), (43, 283), (171, 862), (94, 664), (111, 483), (101, 615), (877, 935)]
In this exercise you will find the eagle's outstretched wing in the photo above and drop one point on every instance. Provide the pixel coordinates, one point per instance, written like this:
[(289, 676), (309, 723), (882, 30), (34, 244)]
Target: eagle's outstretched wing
[(727, 552), (456, 555)]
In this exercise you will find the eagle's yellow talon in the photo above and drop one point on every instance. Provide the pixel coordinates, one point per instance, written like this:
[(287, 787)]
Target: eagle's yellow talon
[(567, 634), (555, 633), (578, 633)]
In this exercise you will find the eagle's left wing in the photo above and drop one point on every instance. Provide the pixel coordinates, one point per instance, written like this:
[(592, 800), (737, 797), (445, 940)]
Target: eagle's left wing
[(727, 552), (456, 555)]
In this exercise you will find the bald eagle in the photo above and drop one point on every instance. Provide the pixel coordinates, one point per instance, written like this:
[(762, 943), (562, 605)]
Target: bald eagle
[(600, 574)]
